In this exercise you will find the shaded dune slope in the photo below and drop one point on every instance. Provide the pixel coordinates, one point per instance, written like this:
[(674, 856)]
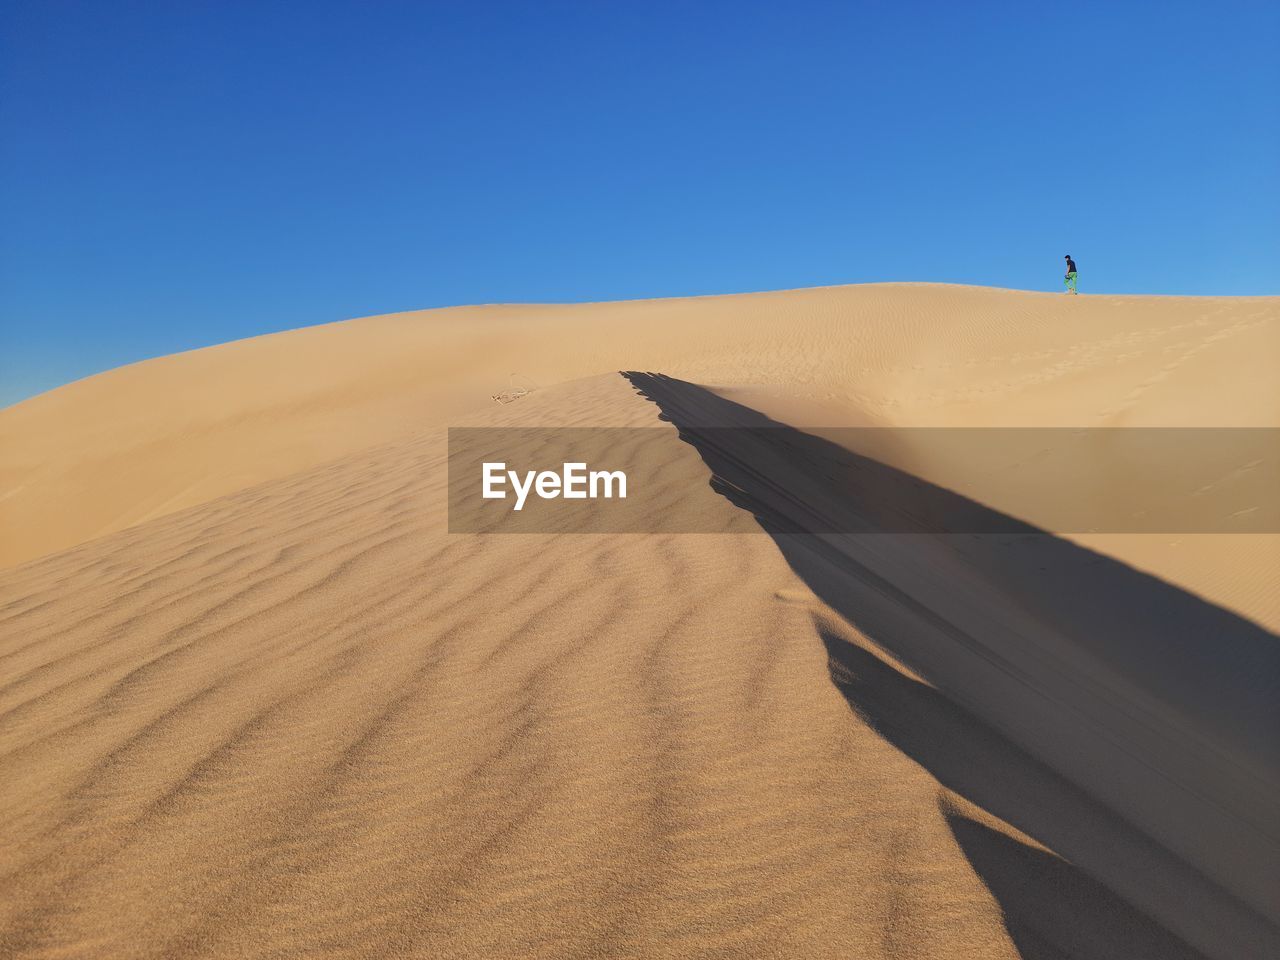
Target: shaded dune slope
[(1162, 705)]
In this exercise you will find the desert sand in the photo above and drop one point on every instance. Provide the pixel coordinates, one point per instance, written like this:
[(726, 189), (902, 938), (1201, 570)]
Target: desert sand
[(257, 701)]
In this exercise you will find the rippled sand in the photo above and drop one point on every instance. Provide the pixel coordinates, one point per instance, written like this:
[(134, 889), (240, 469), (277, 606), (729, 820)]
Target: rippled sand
[(256, 701)]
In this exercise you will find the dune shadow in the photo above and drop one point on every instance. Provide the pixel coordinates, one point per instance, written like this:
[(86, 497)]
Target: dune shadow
[(1121, 722), (1054, 911), (1051, 908)]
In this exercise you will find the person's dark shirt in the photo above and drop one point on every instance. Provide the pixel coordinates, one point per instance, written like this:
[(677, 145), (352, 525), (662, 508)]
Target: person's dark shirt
[(1071, 265)]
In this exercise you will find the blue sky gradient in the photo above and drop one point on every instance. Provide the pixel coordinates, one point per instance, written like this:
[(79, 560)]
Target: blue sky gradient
[(179, 174)]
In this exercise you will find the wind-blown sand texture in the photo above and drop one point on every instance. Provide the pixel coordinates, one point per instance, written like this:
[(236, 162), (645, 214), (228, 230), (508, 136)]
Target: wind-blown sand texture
[(256, 701)]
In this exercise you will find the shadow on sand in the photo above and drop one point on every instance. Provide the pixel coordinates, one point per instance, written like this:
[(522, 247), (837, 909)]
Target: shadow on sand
[(1117, 720), (1051, 908)]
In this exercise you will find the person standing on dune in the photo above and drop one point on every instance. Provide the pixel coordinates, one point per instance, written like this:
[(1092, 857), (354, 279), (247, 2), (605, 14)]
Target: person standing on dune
[(1070, 279)]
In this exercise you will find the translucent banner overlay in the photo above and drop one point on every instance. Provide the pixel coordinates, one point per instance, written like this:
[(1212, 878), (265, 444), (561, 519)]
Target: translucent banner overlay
[(782, 479)]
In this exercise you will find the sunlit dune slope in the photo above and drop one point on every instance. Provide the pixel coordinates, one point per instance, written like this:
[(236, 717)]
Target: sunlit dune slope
[(141, 441)]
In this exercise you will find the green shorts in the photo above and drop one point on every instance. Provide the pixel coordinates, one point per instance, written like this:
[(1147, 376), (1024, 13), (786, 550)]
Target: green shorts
[(1069, 281)]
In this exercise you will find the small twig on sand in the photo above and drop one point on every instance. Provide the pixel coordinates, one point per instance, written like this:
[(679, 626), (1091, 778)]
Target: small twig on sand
[(514, 390)]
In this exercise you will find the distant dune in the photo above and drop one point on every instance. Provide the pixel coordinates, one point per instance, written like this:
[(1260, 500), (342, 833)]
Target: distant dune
[(255, 700)]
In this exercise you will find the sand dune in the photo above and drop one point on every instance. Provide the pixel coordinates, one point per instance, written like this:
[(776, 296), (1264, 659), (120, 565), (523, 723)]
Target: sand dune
[(257, 701)]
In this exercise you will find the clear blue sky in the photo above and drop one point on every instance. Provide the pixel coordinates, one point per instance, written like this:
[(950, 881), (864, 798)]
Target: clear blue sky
[(174, 174)]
